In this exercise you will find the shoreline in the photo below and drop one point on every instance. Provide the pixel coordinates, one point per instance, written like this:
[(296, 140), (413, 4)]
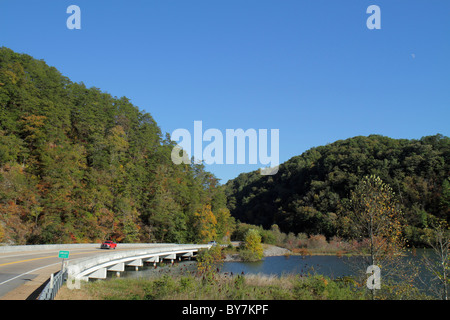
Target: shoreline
[(269, 251), (273, 251)]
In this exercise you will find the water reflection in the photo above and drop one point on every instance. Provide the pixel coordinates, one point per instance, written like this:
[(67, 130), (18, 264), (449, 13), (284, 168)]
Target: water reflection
[(331, 266)]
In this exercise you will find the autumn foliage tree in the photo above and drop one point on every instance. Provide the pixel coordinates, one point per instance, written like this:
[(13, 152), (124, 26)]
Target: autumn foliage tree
[(375, 222), (206, 224), (252, 248), (376, 217), (80, 165)]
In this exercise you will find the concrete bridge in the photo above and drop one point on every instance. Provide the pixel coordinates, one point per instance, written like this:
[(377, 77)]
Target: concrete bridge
[(25, 269), (97, 267)]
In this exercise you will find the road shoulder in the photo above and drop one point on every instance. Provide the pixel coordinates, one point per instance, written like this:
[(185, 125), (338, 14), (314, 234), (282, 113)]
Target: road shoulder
[(25, 291)]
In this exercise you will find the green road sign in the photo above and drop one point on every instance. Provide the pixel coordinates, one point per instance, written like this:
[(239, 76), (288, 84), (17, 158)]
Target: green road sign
[(63, 254)]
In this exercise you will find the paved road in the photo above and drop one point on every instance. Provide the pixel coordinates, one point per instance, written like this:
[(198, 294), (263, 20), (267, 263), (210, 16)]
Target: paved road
[(21, 273)]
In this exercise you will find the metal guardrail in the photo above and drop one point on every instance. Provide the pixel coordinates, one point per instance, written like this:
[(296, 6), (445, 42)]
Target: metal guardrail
[(53, 286)]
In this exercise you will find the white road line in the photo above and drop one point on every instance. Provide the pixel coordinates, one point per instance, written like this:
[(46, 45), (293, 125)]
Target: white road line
[(6, 281)]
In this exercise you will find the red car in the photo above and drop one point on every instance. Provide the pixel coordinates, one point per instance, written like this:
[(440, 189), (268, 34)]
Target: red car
[(108, 245)]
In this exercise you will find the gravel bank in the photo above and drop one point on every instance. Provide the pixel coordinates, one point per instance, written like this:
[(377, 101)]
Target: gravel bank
[(271, 250)]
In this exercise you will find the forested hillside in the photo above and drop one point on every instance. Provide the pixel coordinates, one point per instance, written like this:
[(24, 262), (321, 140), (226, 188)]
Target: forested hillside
[(79, 165), (312, 190)]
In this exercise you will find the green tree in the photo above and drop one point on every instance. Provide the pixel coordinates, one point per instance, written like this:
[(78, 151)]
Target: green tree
[(206, 224), (445, 198), (225, 224), (253, 246), (79, 165), (310, 190)]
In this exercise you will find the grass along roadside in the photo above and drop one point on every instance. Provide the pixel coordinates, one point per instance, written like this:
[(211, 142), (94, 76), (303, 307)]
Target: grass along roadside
[(201, 280), (220, 287)]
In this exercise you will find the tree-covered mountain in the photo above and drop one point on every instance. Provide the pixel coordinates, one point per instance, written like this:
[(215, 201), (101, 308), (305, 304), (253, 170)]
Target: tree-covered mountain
[(310, 191), (78, 165)]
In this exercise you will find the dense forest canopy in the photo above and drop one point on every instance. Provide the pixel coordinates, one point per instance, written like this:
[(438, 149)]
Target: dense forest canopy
[(312, 190), (79, 165)]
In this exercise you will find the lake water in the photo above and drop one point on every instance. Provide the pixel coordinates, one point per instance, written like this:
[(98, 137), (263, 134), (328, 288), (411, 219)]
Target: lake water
[(327, 265), (331, 266)]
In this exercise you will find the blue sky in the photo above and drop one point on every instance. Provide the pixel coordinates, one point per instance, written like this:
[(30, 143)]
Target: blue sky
[(311, 69)]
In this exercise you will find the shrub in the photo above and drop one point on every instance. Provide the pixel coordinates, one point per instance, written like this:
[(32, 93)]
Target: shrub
[(207, 263), (252, 244), (302, 251), (318, 287), (317, 241), (239, 282), (279, 236), (291, 241), (302, 240), (187, 283), (159, 288), (247, 255), (267, 236)]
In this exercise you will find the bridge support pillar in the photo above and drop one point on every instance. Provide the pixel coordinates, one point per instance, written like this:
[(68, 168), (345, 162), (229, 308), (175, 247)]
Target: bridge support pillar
[(98, 274), (135, 263), (187, 255), (170, 256), (153, 259), (117, 267)]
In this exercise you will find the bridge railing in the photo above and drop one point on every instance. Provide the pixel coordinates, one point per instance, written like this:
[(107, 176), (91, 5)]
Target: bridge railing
[(54, 284), (91, 267), (69, 246), (97, 266)]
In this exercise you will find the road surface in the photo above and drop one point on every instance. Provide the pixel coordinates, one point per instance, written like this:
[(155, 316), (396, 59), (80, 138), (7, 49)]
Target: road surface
[(23, 273)]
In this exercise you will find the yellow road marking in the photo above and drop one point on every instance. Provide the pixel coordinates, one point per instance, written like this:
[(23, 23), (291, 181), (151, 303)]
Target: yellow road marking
[(47, 257)]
